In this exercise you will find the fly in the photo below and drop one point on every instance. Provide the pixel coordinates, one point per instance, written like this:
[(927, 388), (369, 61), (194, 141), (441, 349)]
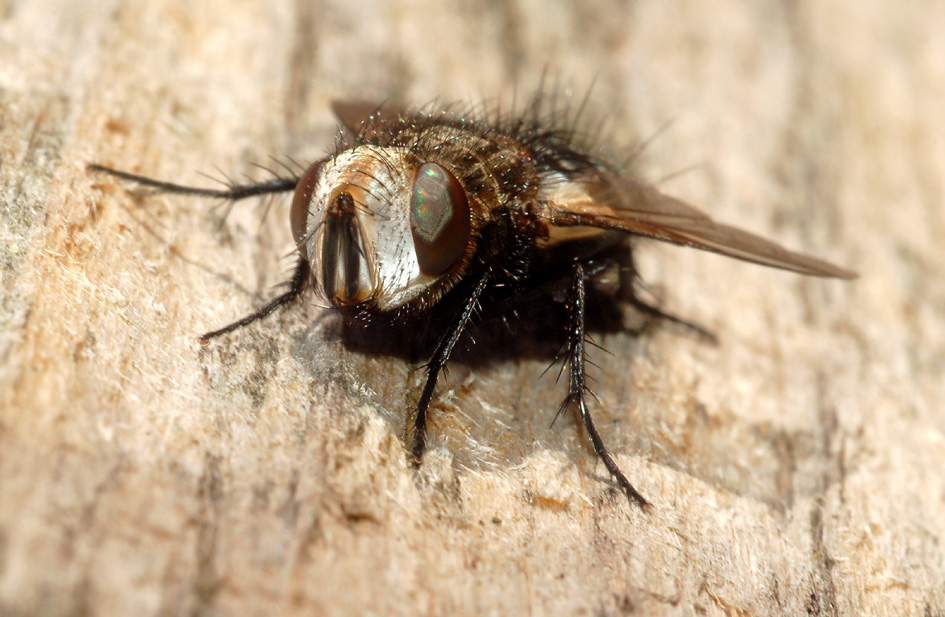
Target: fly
[(419, 209)]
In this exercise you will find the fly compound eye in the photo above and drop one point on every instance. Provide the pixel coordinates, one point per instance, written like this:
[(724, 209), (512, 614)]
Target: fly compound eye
[(439, 219), (298, 216)]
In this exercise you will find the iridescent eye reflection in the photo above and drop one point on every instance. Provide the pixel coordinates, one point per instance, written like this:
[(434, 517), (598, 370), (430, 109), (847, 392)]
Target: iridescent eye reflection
[(439, 219), (429, 213)]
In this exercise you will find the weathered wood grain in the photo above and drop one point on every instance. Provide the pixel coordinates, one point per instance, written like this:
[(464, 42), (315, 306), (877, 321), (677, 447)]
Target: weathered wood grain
[(795, 468)]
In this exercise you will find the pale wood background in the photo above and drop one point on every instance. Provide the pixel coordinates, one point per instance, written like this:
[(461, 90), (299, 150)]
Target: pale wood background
[(796, 468)]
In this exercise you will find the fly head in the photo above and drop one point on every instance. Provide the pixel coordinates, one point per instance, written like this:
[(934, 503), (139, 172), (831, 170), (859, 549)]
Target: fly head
[(382, 229)]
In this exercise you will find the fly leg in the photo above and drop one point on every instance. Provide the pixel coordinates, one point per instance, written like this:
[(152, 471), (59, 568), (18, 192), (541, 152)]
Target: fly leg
[(234, 192), (654, 312), (440, 356), (577, 384), (295, 288), (628, 293)]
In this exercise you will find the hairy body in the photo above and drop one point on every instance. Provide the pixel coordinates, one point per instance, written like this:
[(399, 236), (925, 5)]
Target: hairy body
[(448, 212)]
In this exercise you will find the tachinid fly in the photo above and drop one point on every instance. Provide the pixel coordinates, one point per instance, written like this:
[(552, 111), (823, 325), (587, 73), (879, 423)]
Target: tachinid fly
[(416, 207)]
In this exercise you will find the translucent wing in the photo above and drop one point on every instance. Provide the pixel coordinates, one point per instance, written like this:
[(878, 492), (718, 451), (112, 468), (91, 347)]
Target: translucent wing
[(365, 118), (615, 203)]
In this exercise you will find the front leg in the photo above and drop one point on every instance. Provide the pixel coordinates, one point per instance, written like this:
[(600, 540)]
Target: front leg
[(440, 356), (577, 383), (233, 192), (295, 288)]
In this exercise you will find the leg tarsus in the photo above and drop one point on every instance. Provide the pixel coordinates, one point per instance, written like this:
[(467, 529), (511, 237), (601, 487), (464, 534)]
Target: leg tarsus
[(632, 494), (296, 287), (577, 385)]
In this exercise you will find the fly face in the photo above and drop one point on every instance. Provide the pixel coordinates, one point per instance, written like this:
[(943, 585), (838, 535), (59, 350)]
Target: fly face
[(381, 228)]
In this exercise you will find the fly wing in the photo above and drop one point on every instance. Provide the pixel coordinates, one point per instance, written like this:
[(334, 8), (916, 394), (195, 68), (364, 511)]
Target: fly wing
[(616, 203), (365, 119)]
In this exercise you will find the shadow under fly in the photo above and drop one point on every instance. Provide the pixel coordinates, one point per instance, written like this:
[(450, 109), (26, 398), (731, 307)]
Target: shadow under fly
[(424, 220)]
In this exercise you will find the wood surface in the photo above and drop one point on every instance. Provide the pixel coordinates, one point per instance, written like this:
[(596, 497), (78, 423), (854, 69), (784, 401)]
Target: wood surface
[(795, 468)]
